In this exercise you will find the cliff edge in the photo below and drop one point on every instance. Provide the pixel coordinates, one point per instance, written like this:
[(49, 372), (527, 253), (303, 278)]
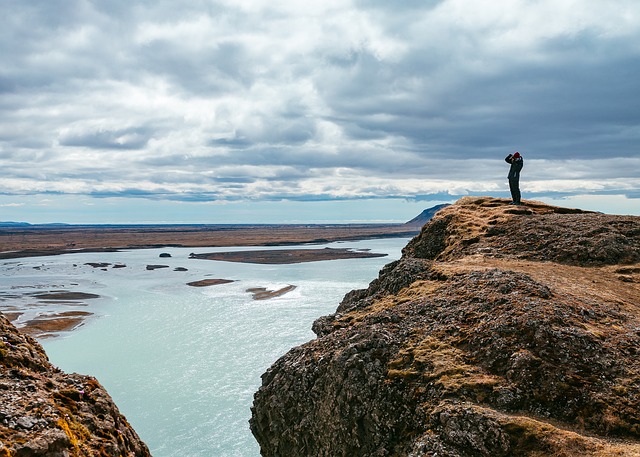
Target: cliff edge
[(502, 330), (46, 412)]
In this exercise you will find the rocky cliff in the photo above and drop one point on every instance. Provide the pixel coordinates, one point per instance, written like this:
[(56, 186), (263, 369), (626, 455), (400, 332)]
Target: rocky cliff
[(45, 412), (501, 331)]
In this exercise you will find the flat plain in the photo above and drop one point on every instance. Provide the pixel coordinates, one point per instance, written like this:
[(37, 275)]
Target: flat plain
[(34, 240)]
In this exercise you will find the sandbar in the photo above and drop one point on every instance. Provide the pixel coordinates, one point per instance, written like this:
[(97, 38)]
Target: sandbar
[(262, 293), (209, 282), (49, 324), (65, 295), (44, 325), (12, 316), (286, 256)]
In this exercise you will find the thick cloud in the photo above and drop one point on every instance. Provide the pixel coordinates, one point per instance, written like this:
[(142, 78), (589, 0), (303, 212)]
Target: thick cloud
[(251, 99)]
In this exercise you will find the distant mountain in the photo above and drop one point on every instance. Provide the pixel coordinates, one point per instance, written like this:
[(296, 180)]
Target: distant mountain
[(27, 224), (425, 216), (13, 224)]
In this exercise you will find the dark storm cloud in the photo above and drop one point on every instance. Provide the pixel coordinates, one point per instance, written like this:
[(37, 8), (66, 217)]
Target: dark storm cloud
[(587, 101), (364, 98)]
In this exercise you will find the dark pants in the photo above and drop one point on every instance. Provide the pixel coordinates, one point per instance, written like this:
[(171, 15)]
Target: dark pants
[(514, 187)]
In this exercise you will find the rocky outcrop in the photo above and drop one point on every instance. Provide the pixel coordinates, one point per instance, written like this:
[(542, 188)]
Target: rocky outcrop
[(501, 331), (45, 412), (425, 216)]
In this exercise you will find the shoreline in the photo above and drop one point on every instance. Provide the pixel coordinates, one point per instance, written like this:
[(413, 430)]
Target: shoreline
[(49, 241)]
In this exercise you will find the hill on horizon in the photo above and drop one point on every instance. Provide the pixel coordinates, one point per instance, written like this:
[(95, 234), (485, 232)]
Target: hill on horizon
[(426, 215)]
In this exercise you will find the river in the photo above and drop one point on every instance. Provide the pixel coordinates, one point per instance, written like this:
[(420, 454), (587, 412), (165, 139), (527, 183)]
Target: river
[(181, 362)]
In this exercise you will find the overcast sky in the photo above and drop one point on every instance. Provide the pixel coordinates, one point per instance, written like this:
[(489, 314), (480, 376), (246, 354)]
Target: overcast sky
[(246, 110)]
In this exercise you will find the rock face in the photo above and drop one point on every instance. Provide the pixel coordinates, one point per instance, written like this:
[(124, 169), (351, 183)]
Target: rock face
[(502, 331), (45, 412)]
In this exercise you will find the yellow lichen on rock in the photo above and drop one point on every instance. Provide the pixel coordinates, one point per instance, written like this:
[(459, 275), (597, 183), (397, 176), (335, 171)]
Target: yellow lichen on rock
[(45, 411)]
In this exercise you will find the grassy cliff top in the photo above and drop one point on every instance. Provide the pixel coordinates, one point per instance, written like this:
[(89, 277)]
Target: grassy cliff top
[(502, 330)]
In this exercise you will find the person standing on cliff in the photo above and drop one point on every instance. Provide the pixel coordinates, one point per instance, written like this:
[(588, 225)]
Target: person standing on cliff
[(516, 162)]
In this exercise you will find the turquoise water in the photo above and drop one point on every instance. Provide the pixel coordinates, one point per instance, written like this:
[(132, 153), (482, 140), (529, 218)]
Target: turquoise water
[(181, 362)]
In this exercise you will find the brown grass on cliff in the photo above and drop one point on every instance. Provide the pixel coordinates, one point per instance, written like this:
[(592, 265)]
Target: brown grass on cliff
[(600, 301), (502, 331)]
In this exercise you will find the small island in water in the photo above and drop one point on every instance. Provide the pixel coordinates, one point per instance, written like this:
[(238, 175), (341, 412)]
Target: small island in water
[(287, 256)]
